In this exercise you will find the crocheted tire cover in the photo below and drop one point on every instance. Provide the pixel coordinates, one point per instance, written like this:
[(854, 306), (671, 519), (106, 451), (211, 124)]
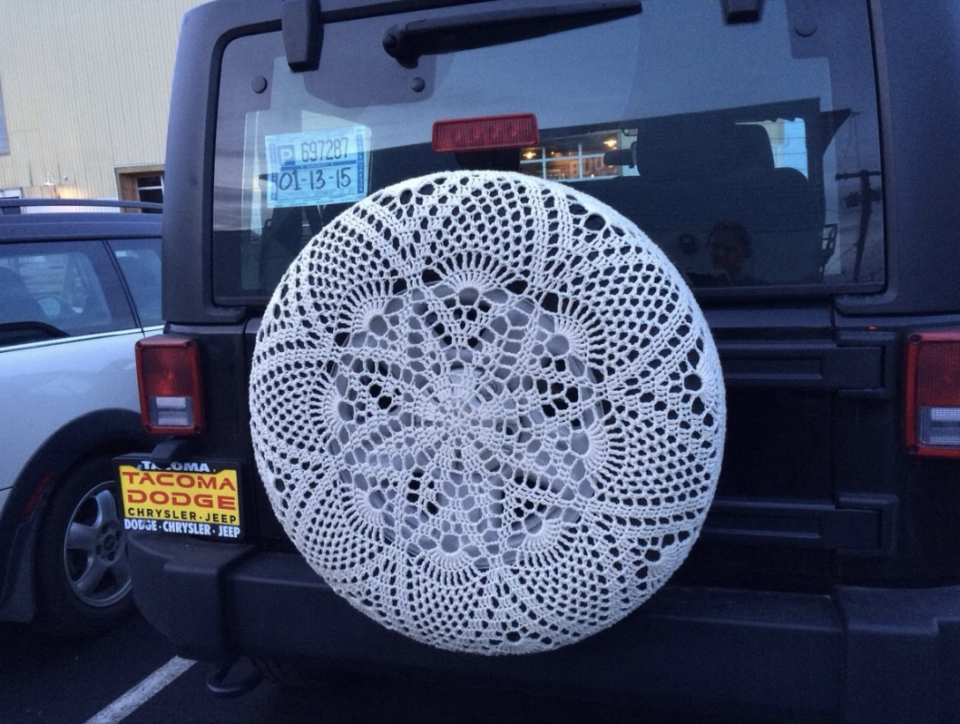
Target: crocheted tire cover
[(487, 411)]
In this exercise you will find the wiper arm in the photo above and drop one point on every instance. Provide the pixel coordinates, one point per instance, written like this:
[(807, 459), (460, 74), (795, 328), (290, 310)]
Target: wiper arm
[(407, 43)]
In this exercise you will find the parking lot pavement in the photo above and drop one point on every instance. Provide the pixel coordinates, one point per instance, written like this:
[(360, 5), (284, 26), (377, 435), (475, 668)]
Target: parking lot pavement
[(70, 682), (376, 699), (44, 680)]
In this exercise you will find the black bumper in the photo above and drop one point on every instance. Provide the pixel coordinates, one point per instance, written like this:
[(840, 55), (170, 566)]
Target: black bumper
[(859, 654)]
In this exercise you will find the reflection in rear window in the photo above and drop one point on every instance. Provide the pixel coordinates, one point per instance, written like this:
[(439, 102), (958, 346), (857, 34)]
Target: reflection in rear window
[(748, 153)]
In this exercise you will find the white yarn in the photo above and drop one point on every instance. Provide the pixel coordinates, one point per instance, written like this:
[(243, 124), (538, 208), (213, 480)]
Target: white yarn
[(487, 411)]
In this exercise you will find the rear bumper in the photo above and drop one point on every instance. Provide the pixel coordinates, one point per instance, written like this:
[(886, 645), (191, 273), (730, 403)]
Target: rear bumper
[(858, 654)]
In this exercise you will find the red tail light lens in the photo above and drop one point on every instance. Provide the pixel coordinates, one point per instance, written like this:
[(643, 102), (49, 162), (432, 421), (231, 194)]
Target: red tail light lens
[(168, 371), (486, 134), (932, 394)]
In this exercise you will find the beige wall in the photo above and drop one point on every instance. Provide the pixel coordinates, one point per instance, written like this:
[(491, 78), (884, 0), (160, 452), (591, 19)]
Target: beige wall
[(86, 88)]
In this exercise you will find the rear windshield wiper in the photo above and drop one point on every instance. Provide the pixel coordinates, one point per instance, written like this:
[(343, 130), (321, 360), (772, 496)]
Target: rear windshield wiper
[(407, 43)]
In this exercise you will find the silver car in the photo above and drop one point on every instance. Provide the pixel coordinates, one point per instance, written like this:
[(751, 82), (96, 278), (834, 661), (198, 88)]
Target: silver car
[(77, 290)]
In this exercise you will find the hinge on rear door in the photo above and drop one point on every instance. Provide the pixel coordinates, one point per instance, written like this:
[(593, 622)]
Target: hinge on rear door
[(302, 34), (857, 525), (741, 11)]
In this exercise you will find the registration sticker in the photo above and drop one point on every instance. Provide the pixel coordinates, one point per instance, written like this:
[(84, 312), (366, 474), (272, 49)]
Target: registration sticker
[(328, 166), (184, 498)]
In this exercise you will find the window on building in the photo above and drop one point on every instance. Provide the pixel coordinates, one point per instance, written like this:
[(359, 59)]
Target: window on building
[(141, 183), (10, 194), (575, 158), (4, 140)]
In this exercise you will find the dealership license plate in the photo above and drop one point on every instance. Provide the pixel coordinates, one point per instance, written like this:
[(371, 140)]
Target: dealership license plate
[(184, 498)]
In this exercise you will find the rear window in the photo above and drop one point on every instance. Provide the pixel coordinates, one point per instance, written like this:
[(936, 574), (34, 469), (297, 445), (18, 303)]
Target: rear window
[(139, 261), (748, 153)]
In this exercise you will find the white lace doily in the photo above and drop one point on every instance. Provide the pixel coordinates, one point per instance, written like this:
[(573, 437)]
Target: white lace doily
[(487, 411)]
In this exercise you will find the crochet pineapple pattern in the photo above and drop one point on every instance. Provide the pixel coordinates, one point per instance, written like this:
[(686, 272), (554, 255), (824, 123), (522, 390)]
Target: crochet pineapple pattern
[(488, 411)]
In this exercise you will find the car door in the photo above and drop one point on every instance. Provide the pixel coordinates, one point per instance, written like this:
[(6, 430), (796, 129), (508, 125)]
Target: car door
[(67, 331)]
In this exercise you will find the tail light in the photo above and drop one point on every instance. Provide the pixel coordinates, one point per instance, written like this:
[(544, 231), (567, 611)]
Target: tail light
[(486, 133), (168, 371), (932, 392)]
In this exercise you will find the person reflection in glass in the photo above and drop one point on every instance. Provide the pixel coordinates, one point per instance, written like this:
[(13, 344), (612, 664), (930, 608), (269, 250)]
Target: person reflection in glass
[(730, 248)]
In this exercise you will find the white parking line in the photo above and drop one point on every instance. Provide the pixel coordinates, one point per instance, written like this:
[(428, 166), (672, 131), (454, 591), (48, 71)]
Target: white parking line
[(138, 695)]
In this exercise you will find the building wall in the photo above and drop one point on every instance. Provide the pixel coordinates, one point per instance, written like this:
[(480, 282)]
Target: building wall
[(86, 89)]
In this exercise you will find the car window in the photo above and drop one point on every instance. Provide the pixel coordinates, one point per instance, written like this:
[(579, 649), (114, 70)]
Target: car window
[(139, 261), (54, 289), (749, 153)]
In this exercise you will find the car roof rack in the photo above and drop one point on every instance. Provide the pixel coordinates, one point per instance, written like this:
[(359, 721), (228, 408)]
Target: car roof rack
[(107, 203)]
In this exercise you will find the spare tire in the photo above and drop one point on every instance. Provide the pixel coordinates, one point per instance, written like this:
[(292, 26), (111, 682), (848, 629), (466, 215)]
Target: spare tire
[(488, 411)]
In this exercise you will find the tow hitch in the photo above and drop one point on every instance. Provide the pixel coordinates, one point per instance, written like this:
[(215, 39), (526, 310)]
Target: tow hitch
[(247, 681)]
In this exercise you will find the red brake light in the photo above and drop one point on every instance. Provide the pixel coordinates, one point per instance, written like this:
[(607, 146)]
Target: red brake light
[(168, 372), (932, 394), (486, 133)]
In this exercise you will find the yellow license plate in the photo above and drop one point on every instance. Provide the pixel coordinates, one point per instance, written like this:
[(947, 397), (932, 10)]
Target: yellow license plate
[(185, 498)]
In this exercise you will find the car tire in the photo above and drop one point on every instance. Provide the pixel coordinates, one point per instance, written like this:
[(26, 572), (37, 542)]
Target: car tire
[(473, 439), (83, 582)]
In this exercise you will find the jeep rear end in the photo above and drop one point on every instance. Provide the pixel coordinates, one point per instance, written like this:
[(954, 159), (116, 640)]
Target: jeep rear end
[(779, 154)]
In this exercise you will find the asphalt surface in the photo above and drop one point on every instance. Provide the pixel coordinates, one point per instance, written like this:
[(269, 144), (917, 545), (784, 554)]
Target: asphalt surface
[(43, 680), (70, 682)]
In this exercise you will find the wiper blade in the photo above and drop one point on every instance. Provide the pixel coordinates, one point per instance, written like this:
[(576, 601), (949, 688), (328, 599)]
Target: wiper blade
[(407, 43)]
